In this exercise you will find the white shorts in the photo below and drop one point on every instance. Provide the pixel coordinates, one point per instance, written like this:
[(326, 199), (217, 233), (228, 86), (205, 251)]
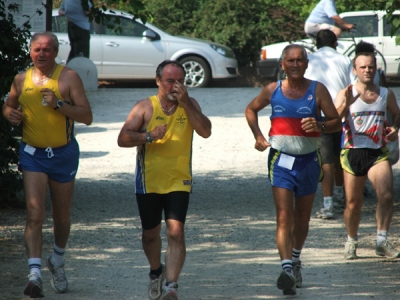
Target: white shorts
[(311, 29)]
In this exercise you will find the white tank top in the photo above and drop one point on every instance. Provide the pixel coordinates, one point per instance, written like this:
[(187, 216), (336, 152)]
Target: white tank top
[(364, 126)]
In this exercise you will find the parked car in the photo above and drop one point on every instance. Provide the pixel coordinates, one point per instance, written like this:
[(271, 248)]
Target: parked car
[(371, 28), (135, 51)]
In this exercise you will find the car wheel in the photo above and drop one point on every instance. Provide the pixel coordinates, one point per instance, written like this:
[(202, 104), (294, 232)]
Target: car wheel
[(197, 71)]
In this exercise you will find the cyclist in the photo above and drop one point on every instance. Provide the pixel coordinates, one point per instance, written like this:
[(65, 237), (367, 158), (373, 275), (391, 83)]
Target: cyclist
[(324, 16)]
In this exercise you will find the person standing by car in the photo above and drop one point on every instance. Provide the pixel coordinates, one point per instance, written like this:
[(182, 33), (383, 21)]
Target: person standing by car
[(333, 70), (294, 167), (364, 106), (324, 16), (78, 27), (47, 99), (161, 127)]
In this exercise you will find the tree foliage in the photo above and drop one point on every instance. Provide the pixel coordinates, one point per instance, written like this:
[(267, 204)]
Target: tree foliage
[(13, 59)]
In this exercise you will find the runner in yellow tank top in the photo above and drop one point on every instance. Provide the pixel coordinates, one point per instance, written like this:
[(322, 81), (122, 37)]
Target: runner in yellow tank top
[(47, 99), (162, 127)]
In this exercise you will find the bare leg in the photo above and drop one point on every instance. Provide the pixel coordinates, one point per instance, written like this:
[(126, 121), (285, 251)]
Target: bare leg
[(381, 177), (151, 242), (176, 250), (328, 180), (61, 202), (354, 200), (302, 212), (35, 185)]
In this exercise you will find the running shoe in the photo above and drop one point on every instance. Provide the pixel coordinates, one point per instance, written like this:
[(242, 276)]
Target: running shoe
[(170, 292), (297, 273), (387, 249), (34, 288), (325, 213), (155, 285), (58, 281), (350, 250), (287, 283)]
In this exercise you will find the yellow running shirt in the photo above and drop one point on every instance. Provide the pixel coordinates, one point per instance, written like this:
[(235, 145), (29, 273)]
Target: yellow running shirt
[(165, 165), (43, 126)]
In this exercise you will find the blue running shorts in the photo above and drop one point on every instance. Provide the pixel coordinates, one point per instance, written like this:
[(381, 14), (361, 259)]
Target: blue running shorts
[(60, 164), (301, 176)]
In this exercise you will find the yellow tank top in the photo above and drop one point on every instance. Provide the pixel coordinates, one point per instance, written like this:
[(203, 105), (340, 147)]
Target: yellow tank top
[(165, 165), (43, 126)]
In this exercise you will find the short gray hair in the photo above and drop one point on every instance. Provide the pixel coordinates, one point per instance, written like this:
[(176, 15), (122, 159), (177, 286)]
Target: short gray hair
[(293, 46), (36, 36)]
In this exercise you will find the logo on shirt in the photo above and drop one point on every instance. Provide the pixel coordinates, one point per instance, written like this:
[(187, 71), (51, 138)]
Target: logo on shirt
[(359, 121), (310, 97), (160, 118), (304, 110), (181, 119), (279, 109), (187, 182), (29, 89)]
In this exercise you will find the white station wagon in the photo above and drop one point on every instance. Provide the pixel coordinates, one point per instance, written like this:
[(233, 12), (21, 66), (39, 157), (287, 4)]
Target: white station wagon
[(371, 28), (135, 51)]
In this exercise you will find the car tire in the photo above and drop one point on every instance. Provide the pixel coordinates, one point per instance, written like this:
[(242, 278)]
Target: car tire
[(197, 71)]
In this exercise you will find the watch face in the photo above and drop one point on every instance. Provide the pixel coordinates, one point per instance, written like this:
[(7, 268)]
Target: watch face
[(60, 103)]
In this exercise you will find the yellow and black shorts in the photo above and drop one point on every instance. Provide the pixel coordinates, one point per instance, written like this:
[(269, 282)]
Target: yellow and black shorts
[(358, 161)]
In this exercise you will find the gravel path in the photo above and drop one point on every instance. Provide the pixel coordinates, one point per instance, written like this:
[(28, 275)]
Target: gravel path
[(230, 226)]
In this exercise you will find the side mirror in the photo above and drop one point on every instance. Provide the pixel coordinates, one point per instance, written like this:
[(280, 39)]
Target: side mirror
[(150, 34)]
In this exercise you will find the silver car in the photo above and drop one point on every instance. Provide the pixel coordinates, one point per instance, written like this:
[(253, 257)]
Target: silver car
[(134, 50)]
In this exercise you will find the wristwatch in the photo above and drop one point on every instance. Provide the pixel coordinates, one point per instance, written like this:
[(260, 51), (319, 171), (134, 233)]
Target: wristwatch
[(148, 138), (323, 128), (59, 104)]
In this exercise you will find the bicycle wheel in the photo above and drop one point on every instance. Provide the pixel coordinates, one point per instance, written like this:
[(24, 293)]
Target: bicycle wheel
[(380, 59)]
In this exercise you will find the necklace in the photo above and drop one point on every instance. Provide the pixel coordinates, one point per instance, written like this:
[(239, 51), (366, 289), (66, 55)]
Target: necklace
[(46, 78), (162, 108)]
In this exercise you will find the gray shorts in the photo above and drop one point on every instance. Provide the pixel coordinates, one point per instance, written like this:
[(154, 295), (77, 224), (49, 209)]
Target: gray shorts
[(330, 147)]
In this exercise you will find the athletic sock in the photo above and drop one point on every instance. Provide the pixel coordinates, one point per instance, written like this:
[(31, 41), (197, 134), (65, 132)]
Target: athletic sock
[(57, 256), (296, 255), (381, 236), (355, 239), (156, 273), (339, 191), (327, 202), (287, 265), (35, 265)]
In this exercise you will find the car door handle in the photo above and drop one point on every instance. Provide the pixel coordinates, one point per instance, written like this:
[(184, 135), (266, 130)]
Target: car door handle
[(112, 44)]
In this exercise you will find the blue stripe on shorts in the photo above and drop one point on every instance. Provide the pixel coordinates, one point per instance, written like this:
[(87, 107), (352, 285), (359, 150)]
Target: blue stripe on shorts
[(60, 164)]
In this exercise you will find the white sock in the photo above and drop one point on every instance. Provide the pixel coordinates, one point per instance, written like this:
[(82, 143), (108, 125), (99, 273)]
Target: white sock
[(355, 239), (328, 202), (35, 264), (58, 255), (381, 236)]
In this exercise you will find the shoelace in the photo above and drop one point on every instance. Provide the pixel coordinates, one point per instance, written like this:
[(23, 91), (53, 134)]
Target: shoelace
[(59, 273)]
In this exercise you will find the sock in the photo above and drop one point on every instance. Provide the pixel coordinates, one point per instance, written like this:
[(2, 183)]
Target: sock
[(339, 191), (172, 284), (328, 202), (57, 257), (381, 236), (35, 264), (296, 255), (355, 239), (287, 265), (156, 273)]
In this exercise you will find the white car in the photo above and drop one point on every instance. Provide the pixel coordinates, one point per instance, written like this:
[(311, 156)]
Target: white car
[(371, 28), (136, 51)]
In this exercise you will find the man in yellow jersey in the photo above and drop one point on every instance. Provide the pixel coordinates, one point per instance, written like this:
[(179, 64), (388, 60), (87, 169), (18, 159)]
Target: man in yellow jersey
[(47, 99), (161, 127)]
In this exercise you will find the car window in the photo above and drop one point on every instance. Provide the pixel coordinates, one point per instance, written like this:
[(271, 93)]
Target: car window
[(59, 24), (123, 26), (387, 28), (366, 26)]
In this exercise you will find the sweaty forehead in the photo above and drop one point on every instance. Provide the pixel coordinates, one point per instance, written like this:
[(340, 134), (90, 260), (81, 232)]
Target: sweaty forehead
[(171, 71)]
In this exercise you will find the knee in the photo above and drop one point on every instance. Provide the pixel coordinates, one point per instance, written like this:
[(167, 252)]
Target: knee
[(176, 235), (149, 236)]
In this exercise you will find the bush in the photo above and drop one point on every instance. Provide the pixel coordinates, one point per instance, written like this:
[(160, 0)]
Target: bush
[(14, 57)]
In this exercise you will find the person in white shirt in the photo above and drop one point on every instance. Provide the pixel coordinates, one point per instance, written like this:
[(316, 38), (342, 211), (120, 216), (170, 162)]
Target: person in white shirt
[(334, 71), (365, 106), (324, 16)]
